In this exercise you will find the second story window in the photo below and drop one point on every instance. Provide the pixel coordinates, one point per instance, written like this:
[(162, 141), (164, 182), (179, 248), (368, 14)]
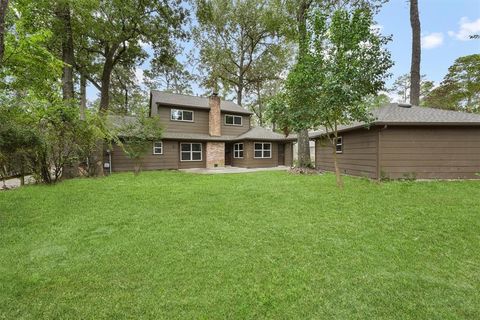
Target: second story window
[(232, 120), (181, 115)]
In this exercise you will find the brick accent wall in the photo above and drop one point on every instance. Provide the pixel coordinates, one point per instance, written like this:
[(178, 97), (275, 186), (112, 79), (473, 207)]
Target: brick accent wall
[(215, 154), (215, 117)]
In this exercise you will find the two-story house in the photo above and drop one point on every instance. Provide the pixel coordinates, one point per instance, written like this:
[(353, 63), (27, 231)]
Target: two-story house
[(208, 132)]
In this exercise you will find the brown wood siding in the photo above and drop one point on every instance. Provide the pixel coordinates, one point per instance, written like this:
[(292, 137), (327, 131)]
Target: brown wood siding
[(192, 164), (199, 124), (249, 161), (230, 130), (359, 157), (167, 160), (430, 152), (170, 159)]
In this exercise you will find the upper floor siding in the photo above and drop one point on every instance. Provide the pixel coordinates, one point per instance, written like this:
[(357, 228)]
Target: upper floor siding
[(198, 123)]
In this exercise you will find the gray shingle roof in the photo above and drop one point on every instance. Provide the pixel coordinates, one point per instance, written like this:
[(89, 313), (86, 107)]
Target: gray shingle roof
[(182, 100), (398, 114), (195, 137), (259, 133)]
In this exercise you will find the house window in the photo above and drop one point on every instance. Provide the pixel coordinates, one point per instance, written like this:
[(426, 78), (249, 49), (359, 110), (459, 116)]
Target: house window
[(339, 145), (262, 150), (158, 147), (181, 115), (190, 152), (238, 150), (231, 120)]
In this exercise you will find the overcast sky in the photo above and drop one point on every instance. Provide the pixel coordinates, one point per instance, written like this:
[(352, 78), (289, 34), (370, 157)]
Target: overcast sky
[(445, 26)]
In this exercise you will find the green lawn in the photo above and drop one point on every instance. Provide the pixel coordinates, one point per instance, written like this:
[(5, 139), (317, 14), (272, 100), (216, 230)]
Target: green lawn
[(241, 246)]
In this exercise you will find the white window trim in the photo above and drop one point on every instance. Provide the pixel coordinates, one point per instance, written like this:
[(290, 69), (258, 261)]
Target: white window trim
[(182, 110), (238, 151), (339, 144), (262, 150), (154, 147), (191, 151), (233, 124)]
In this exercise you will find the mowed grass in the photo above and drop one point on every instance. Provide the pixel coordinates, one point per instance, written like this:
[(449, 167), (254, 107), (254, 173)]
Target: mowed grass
[(267, 245)]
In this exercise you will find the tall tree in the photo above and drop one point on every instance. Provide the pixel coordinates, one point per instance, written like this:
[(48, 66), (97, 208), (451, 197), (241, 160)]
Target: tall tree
[(460, 88), (112, 33), (303, 138), (352, 62), (62, 12), (127, 96), (169, 74), (402, 86), (3, 13), (416, 54), (300, 85), (235, 38)]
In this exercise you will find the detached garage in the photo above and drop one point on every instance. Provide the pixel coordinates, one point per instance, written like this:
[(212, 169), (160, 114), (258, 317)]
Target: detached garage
[(406, 142)]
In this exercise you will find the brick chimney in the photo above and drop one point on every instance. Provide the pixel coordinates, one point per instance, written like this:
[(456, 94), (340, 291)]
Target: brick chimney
[(215, 118), (215, 152)]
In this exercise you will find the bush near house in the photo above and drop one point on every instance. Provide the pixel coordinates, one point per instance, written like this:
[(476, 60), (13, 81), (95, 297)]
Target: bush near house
[(170, 245)]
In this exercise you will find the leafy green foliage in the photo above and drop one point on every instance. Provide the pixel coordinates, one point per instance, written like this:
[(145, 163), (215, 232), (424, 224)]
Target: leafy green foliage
[(239, 44), (345, 64), (169, 75), (279, 114), (460, 88), (18, 143), (28, 64), (401, 87), (111, 33), (44, 137)]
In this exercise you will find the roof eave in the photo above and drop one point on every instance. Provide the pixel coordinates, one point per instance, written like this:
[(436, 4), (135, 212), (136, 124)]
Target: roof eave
[(397, 123)]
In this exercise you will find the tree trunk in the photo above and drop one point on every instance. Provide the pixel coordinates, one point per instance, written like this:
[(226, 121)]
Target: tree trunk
[(68, 58), (97, 158), (3, 13), (96, 161), (105, 88), (302, 27), (137, 167), (83, 97), (338, 176), (416, 54), (303, 149), (240, 91), (304, 160)]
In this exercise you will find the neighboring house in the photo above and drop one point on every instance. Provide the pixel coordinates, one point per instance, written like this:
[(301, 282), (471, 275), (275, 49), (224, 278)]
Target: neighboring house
[(406, 142), (205, 133)]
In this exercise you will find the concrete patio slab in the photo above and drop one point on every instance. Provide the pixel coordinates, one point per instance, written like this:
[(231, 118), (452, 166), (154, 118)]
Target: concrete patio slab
[(232, 170)]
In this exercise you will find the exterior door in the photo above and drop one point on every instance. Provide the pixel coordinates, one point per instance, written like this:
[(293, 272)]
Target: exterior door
[(281, 154), (228, 154)]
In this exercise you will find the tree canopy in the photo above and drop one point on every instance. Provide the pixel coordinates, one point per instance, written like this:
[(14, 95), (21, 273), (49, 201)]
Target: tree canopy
[(460, 88)]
